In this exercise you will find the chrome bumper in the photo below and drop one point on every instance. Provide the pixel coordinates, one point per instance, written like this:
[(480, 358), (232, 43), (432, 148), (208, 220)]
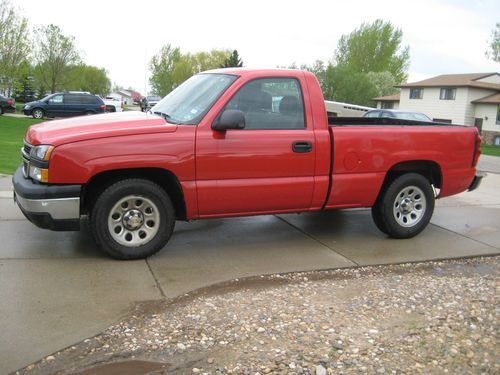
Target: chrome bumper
[(58, 209), (55, 207)]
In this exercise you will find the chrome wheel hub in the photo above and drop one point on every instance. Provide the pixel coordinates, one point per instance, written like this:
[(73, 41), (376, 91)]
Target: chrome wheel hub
[(134, 221), (409, 206)]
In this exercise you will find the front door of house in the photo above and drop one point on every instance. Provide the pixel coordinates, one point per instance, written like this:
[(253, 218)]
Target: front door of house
[(478, 123)]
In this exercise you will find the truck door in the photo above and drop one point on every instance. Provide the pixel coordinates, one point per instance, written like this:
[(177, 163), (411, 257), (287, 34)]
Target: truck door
[(267, 166)]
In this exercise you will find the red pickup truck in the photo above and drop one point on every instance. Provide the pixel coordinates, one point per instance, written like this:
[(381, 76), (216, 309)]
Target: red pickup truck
[(236, 142)]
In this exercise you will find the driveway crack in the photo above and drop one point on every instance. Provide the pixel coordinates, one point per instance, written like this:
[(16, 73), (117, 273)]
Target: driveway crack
[(317, 240), (158, 285)]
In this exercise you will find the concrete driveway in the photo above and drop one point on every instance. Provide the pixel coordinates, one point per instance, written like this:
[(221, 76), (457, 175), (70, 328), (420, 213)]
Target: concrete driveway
[(57, 288)]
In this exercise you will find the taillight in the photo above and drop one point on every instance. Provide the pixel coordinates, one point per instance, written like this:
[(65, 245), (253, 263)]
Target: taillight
[(477, 149), (103, 107), (10, 102)]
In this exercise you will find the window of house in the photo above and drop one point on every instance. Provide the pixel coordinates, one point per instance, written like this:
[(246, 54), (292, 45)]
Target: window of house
[(387, 105), (498, 115), (447, 94), (417, 93), (496, 141), (270, 103)]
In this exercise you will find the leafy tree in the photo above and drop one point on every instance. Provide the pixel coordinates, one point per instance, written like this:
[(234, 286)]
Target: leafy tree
[(24, 90), (89, 78), (161, 67), (374, 47), (169, 68), (493, 51), (14, 45), (54, 55), (232, 61), (345, 85), (384, 83)]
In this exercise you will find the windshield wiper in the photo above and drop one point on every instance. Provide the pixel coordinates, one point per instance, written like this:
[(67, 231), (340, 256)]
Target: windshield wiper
[(167, 117)]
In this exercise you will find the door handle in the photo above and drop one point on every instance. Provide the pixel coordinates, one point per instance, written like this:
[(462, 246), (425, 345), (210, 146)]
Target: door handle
[(302, 146)]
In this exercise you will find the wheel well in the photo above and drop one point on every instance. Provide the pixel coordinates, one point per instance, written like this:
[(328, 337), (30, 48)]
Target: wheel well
[(166, 179), (429, 169)]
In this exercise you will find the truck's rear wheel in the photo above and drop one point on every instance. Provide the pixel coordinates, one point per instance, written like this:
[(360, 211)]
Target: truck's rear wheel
[(132, 219), (405, 207)]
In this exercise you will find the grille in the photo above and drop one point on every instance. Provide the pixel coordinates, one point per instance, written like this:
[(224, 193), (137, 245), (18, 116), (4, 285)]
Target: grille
[(25, 154)]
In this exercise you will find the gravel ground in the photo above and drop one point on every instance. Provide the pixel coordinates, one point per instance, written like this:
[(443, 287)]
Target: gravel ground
[(438, 317)]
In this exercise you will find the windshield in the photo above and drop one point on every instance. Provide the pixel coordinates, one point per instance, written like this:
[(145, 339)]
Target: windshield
[(154, 98), (411, 116), (189, 102)]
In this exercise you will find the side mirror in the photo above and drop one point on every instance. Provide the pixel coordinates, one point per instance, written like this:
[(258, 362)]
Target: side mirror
[(230, 119)]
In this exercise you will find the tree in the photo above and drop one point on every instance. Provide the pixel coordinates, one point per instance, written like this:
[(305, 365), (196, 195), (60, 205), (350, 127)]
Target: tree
[(89, 78), (345, 85), (161, 67), (24, 89), (374, 47), (169, 68), (384, 83), (233, 61), (14, 45), (493, 51), (54, 54)]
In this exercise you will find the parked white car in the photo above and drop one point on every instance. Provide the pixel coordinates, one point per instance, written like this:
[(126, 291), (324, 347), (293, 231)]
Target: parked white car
[(112, 104)]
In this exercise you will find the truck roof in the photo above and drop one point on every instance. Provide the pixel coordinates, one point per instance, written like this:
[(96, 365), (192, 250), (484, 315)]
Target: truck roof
[(251, 71)]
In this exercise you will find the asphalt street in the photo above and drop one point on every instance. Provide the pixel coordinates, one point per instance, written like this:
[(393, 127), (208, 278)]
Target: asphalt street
[(58, 288)]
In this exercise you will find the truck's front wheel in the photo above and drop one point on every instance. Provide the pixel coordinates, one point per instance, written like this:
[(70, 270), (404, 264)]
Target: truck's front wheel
[(132, 219), (405, 207)]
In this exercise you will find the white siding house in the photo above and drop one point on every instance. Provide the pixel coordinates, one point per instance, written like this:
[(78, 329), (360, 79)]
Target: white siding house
[(123, 96), (465, 99)]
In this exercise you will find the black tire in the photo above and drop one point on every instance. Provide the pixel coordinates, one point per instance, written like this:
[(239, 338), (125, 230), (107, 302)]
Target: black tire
[(377, 217), (38, 113), (102, 210), (1, 111), (405, 206)]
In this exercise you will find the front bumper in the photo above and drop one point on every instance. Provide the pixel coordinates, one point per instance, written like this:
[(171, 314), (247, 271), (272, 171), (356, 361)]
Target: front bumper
[(9, 109), (476, 181), (55, 207)]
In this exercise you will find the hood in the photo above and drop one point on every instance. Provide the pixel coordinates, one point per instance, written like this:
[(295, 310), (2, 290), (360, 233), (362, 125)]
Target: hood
[(83, 128)]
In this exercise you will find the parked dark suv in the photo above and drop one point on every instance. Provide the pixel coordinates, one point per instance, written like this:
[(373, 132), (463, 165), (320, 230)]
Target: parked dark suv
[(7, 105), (64, 104)]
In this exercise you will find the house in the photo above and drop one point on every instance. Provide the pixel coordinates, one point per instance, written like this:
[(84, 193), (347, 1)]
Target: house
[(464, 99), (388, 102), (127, 97)]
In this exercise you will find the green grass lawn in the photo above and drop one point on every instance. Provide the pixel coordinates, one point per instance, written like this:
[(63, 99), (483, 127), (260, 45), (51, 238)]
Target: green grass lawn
[(19, 107), (12, 131), (490, 150)]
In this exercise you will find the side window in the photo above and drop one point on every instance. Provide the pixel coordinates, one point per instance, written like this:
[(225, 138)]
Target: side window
[(57, 99), (387, 114), (88, 99), (270, 103), (372, 114), (71, 99)]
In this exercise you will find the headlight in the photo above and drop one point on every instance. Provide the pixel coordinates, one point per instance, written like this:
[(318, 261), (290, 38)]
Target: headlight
[(27, 106), (42, 152), (39, 174)]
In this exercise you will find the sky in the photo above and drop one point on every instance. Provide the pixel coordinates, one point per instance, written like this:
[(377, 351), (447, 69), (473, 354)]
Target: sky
[(121, 36)]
